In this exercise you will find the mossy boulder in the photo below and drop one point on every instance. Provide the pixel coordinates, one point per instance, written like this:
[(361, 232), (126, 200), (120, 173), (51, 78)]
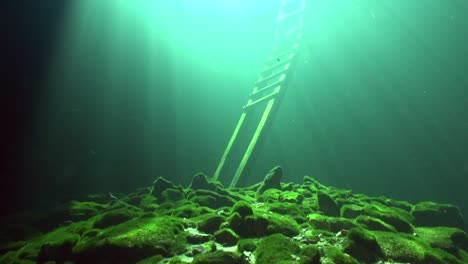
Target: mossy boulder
[(319, 221), (362, 245), (114, 217), (250, 226), (401, 247), (226, 237), (327, 204), (310, 254), (173, 195), (337, 256), (373, 223), (291, 197), (272, 180), (269, 196), (396, 217), (159, 186), (201, 181), (133, 241), (351, 211), (277, 248), (210, 223), (427, 214), (282, 224), (210, 199), (218, 257), (247, 244), (243, 208), (448, 239)]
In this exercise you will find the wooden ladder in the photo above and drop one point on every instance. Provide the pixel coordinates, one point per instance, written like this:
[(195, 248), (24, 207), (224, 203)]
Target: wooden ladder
[(265, 96)]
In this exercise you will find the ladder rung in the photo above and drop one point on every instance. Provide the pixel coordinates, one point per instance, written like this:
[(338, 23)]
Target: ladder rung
[(274, 75), (268, 96), (269, 86), (279, 62)]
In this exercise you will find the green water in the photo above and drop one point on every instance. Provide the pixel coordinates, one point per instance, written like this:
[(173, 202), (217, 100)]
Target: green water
[(136, 89)]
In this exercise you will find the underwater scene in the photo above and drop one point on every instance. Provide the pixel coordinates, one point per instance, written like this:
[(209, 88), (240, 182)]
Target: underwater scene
[(234, 131)]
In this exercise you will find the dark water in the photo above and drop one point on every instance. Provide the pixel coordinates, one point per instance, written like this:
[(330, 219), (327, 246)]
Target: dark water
[(106, 97)]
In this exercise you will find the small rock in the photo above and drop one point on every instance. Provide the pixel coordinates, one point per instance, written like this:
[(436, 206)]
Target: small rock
[(226, 237), (434, 214), (272, 180)]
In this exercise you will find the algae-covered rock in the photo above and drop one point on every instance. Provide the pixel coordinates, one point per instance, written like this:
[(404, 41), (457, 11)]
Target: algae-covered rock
[(272, 180), (210, 199), (114, 217), (277, 249), (218, 257), (132, 241), (160, 185), (243, 208), (435, 214), (327, 204), (449, 239), (336, 256), (202, 181), (373, 223), (269, 196), (398, 218), (351, 211), (291, 197), (362, 245), (310, 254), (211, 223), (250, 226), (247, 244), (226, 237)]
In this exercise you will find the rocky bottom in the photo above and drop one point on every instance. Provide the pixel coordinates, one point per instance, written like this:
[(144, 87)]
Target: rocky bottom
[(270, 222)]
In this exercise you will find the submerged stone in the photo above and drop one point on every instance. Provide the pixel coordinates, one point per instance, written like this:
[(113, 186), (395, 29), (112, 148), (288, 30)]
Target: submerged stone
[(272, 180), (435, 214), (327, 204), (277, 249), (362, 245)]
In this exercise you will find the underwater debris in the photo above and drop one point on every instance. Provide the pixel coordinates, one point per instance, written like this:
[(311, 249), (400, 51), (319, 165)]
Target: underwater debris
[(270, 222)]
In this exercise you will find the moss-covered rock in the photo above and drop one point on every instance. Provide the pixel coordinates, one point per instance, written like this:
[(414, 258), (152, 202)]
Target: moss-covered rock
[(226, 237), (277, 249), (291, 197), (160, 185), (362, 245), (282, 224), (210, 223), (336, 256), (250, 226), (310, 254), (269, 196), (243, 208), (173, 195), (449, 239), (403, 247), (247, 244), (218, 257), (373, 223), (272, 180), (114, 217), (132, 241), (327, 204), (351, 210), (398, 218), (434, 214), (319, 221), (201, 181), (210, 199)]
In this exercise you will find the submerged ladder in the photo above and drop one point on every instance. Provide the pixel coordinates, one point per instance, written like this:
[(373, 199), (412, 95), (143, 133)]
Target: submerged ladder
[(266, 94)]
